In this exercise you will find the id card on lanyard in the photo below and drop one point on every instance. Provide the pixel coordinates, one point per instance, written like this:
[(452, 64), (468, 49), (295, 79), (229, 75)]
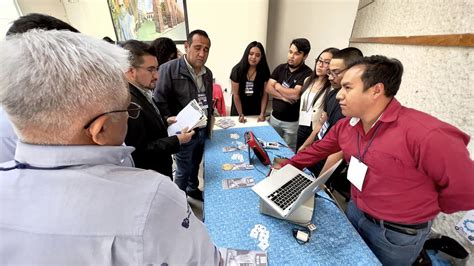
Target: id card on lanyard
[(249, 88), (306, 112), (202, 100), (357, 168)]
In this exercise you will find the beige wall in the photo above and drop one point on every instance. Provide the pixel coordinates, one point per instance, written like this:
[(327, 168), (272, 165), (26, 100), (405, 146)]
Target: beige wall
[(231, 25), (8, 13), (324, 23), (437, 80), (91, 17), (54, 8)]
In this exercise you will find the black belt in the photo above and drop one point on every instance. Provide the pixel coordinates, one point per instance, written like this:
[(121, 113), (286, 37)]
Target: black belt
[(408, 229)]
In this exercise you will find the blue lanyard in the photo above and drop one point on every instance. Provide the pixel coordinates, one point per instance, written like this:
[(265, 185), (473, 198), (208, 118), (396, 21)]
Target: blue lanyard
[(361, 157), (19, 165)]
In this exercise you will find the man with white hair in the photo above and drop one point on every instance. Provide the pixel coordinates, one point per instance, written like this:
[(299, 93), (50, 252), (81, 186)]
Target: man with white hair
[(8, 138), (66, 199)]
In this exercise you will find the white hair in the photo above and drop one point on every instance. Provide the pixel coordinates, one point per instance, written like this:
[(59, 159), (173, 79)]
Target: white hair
[(52, 81)]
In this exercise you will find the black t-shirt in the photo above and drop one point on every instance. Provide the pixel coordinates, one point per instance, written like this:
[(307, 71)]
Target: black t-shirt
[(333, 109), (282, 110), (251, 104)]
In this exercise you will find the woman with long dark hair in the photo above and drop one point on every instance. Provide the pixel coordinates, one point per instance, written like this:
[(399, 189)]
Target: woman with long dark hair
[(165, 49), (314, 91), (248, 79)]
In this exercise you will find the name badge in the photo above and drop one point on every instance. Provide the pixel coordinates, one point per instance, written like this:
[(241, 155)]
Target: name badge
[(202, 100), (249, 88), (356, 172), (305, 118)]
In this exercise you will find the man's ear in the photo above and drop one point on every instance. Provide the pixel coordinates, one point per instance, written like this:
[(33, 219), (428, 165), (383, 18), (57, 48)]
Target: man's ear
[(97, 131), (378, 90), (186, 47), (131, 73)]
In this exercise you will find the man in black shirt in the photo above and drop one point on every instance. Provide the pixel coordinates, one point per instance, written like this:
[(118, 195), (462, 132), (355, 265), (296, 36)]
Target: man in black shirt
[(285, 86), (337, 68)]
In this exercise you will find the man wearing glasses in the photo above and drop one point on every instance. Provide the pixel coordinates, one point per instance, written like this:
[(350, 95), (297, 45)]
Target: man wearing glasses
[(147, 133), (67, 199), (337, 68), (8, 138)]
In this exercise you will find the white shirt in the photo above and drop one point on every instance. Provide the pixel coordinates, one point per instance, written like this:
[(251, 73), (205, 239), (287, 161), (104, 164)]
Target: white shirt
[(8, 138), (94, 211)]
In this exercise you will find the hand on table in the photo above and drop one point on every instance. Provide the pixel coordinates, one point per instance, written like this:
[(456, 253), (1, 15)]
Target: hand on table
[(277, 162)]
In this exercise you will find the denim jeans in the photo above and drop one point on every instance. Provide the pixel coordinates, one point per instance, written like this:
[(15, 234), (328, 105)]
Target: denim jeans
[(188, 160), (286, 130), (390, 247)]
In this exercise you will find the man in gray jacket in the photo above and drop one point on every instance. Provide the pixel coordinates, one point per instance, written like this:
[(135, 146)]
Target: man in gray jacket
[(181, 81)]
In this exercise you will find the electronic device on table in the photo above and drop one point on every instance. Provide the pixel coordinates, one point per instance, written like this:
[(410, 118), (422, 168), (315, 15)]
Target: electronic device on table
[(255, 145), (288, 193)]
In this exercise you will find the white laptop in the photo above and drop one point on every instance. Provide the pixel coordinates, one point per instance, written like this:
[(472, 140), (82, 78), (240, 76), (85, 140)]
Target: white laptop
[(289, 193)]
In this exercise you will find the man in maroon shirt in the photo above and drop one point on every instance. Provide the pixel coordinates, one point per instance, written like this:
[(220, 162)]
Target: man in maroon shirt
[(405, 166)]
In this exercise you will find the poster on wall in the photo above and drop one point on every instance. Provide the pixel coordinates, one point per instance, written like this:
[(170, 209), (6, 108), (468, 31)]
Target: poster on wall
[(146, 20)]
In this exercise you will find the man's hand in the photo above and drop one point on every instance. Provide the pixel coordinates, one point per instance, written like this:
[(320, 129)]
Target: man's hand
[(277, 162), (261, 118), (171, 120), (304, 146), (242, 119), (185, 135)]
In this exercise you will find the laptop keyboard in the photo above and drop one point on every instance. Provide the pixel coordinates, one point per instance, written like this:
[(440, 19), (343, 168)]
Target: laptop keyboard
[(289, 192)]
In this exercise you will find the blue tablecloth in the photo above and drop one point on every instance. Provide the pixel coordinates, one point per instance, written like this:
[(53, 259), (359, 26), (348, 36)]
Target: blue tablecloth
[(230, 215)]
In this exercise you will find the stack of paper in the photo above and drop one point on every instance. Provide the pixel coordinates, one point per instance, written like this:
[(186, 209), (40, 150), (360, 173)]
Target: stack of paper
[(192, 116)]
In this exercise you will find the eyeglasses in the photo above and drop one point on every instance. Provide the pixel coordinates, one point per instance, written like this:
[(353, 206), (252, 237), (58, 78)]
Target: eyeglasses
[(334, 73), (322, 62), (133, 111), (149, 69)]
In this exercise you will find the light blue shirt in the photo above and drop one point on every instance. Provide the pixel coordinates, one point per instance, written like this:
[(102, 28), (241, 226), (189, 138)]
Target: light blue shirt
[(8, 138), (94, 211)]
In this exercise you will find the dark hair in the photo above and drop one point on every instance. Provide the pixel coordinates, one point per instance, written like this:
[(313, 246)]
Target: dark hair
[(38, 21), (137, 50), (164, 49), (348, 55), (262, 66), (302, 44), (198, 32), (380, 69), (108, 39), (327, 85)]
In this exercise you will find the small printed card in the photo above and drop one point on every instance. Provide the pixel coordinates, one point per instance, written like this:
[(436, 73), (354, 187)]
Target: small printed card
[(238, 182), (243, 257), (237, 166), (225, 123), (465, 227)]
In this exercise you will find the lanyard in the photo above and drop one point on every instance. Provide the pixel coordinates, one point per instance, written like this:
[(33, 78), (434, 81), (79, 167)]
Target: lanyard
[(19, 165), (361, 157)]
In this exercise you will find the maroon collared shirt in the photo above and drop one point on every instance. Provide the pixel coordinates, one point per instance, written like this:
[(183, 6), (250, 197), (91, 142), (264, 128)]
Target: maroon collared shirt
[(417, 165)]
